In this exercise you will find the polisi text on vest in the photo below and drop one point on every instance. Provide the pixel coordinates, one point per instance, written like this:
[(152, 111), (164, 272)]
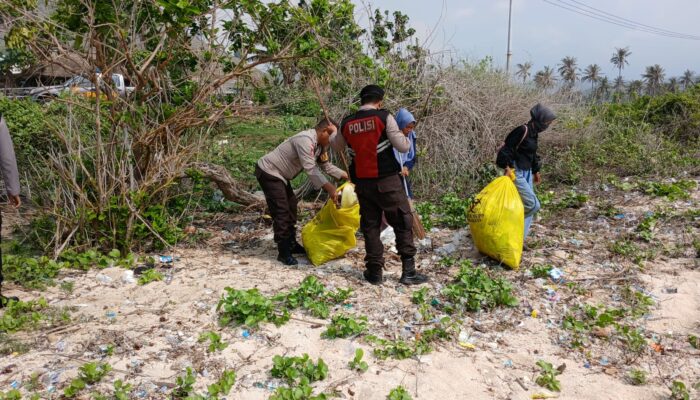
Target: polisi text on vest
[(362, 126)]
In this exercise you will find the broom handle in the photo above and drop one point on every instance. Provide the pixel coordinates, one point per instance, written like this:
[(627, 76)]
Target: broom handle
[(403, 178), (325, 113), (416, 219)]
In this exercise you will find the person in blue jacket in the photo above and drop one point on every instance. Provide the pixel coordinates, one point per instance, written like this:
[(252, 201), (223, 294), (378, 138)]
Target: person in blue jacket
[(407, 124)]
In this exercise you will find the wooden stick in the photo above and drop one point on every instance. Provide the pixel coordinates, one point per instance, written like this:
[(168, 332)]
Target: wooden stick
[(325, 113)]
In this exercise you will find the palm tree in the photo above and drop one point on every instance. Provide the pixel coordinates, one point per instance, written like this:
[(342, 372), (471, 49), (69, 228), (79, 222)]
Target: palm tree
[(523, 71), (592, 74), (635, 88), (673, 85), (619, 58), (545, 78), (619, 84), (569, 70), (654, 77), (603, 88), (688, 79)]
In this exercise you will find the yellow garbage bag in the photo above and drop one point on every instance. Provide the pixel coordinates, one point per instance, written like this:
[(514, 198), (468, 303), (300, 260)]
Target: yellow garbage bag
[(497, 221), (331, 233)]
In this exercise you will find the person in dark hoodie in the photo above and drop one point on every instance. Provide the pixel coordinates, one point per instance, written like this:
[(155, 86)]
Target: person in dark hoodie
[(519, 152), (10, 175)]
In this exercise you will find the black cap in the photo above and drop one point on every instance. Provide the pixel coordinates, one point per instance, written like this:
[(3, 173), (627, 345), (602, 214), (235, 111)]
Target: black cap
[(372, 91)]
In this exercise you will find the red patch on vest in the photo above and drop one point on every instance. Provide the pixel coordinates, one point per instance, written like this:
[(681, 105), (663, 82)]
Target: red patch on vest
[(363, 136)]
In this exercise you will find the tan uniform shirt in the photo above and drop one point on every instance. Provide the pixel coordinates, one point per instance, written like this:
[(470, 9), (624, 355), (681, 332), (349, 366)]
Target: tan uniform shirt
[(8, 161), (300, 152)]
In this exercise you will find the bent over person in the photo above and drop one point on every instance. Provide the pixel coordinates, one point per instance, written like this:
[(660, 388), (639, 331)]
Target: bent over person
[(371, 134), (307, 151)]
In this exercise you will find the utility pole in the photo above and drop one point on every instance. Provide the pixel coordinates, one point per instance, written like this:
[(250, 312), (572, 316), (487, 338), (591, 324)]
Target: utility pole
[(509, 54)]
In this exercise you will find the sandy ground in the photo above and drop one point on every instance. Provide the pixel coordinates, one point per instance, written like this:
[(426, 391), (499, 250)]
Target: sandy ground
[(154, 328)]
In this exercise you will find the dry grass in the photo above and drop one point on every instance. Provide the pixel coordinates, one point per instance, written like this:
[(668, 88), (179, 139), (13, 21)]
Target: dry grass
[(472, 113)]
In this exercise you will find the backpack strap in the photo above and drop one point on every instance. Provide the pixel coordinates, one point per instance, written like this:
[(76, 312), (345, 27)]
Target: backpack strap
[(522, 139)]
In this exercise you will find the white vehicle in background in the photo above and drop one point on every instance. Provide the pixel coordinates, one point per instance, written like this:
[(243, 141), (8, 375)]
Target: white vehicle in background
[(82, 86)]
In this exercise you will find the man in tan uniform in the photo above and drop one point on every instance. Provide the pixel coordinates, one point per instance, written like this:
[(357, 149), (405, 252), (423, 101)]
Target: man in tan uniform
[(10, 175), (307, 151)]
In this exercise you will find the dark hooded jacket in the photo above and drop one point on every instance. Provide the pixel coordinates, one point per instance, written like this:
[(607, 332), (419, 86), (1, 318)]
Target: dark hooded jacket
[(524, 154)]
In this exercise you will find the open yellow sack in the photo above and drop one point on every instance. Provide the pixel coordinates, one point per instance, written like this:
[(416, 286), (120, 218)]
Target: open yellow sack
[(497, 221), (331, 233)]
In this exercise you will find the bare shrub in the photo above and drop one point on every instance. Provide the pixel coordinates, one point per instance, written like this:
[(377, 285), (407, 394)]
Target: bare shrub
[(116, 160), (471, 112)]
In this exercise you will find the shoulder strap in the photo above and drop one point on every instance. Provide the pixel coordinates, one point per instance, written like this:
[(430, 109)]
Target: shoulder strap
[(522, 139)]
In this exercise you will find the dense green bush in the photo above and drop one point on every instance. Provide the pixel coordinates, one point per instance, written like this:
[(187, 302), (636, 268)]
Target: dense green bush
[(28, 124), (239, 146), (58, 134), (672, 115), (298, 102), (649, 136)]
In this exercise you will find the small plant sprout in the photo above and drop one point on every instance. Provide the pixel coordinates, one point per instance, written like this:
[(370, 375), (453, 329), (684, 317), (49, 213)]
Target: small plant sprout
[(343, 326), (399, 393), (215, 342), (150, 275), (548, 376), (637, 377), (356, 364)]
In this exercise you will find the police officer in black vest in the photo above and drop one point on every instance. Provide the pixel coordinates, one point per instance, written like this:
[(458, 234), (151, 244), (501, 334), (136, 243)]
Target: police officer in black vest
[(371, 134)]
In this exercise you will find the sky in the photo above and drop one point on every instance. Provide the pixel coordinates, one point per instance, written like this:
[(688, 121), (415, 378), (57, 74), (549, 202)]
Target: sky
[(543, 33)]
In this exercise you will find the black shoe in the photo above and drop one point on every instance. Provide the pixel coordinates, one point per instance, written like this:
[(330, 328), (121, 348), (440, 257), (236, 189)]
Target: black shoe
[(284, 255), (409, 276), (373, 274), (4, 301), (297, 248), (287, 260)]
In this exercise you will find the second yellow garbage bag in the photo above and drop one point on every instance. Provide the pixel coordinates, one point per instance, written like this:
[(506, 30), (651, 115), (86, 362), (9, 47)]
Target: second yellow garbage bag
[(331, 233), (497, 221)]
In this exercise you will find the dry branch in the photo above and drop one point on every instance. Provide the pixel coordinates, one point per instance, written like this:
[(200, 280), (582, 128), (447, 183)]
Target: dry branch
[(228, 186)]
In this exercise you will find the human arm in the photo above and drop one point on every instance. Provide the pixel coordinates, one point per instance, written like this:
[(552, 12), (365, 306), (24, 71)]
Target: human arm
[(332, 191), (305, 149), (329, 168), (412, 156), (397, 138), (536, 166)]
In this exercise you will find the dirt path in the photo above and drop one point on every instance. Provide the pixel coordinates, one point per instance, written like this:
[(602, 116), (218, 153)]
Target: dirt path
[(154, 329)]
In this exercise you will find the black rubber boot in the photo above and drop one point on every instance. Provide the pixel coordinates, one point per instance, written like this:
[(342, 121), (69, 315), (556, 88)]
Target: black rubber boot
[(409, 276), (284, 249), (373, 274), (296, 247)]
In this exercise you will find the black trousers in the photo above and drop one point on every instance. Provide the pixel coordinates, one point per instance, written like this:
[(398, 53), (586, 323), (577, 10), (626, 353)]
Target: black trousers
[(281, 202), (388, 196)]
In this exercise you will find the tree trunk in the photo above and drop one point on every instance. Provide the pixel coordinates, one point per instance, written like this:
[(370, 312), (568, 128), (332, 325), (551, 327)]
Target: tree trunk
[(228, 186)]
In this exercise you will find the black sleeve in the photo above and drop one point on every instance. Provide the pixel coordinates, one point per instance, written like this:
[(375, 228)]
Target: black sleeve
[(507, 153), (536, 164)]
